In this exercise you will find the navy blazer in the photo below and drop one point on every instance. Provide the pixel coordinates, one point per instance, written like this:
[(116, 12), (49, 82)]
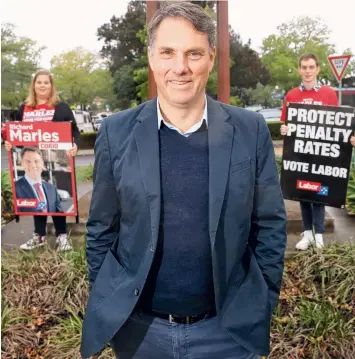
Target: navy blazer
[(25, 190), (247, 222)]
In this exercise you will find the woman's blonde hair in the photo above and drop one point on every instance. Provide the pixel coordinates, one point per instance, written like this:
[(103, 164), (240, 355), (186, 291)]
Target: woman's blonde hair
[(31, 99)]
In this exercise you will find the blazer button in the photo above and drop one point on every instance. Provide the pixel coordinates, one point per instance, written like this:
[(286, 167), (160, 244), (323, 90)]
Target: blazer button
[(151, 248), (136, 291)]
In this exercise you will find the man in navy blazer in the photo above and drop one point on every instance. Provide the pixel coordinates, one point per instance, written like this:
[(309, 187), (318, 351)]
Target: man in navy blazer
[(187, 227), (31, 186)]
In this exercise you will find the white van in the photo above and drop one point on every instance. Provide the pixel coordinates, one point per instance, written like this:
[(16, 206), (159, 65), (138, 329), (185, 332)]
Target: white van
[(83, 121)]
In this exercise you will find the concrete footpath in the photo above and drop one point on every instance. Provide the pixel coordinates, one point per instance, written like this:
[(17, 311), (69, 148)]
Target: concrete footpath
[(14, 234)]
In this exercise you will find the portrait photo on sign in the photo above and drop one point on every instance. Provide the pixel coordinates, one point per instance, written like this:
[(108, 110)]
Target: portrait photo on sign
[(43, 178)]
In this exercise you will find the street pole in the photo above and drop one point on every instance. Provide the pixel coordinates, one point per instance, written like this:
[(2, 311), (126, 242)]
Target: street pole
[(223, 70), (152, 7), (340, 92)]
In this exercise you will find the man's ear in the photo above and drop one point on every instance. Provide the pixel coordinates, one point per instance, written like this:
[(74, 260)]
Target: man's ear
[(212, 59)]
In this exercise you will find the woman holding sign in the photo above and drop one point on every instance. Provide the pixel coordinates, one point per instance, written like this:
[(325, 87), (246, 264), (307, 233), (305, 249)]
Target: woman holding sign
[(42, 104), (310, 92)]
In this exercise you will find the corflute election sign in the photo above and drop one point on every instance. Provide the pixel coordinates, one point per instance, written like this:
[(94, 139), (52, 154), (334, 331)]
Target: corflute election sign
[(317, 153)]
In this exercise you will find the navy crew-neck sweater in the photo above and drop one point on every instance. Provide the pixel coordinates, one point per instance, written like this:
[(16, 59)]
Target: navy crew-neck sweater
[(181, 279)]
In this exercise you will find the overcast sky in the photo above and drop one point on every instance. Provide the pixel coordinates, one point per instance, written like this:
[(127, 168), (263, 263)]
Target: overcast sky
[(66, 24)]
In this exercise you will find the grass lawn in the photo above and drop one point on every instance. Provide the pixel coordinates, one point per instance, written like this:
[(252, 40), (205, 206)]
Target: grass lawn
[(84, 173)]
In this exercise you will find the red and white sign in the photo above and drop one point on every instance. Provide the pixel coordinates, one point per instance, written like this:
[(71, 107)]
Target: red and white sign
[(308, 186), (39, 156), (339, 65), (27, 203), (40, 134)]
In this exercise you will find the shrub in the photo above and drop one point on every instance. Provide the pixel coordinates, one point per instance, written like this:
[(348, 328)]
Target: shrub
[(84, 173), (315, 315), (87, 140), (45, 293), (350, 198), (274, 128), (7, 204)]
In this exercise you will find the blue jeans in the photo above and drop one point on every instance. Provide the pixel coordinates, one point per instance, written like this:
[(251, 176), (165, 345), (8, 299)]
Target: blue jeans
[(147, 337), (313, 214)]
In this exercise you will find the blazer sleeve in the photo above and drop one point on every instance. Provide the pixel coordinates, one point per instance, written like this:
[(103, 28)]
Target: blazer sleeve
[(64, 113), (268, 235), (103, 224)]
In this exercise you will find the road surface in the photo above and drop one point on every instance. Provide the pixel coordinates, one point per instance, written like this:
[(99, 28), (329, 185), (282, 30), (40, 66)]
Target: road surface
[(79, 160)]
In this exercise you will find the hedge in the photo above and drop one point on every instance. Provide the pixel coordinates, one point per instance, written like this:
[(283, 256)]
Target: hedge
[(274, 128), (87, 140)]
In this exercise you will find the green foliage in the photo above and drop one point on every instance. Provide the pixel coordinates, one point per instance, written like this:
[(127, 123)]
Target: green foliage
[(19, 61), (281, 51), (262, 95), (7, 204), (84, 173), (87, 140), (274, 128), (121, 44), (350, 198), (247, 68), (212, 85), (124, 87), (80, 77), (314, 318), (278, 163), (43, 291), (235, 101), (44, 295)]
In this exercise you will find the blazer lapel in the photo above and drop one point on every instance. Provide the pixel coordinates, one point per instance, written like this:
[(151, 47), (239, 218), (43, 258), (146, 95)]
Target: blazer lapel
[(147, 139), (27, 188), (220, 141)]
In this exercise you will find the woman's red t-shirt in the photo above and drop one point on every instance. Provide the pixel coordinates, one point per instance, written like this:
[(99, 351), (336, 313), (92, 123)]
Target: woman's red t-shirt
[(38, 114)]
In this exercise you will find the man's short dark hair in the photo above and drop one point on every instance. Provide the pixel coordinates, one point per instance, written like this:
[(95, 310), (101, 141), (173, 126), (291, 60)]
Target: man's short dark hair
[(192, 13), (308, 56), (30, 149)]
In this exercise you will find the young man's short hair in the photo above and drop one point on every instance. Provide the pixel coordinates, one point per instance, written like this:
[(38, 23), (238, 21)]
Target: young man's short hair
[(308, 56)]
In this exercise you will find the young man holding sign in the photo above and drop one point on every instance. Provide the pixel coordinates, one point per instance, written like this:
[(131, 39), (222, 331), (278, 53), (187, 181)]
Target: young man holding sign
[(310, 92)]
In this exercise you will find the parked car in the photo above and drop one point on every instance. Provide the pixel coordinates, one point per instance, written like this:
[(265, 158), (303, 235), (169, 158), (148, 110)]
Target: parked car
[(63, 195), (97, 123), (271, 114), (94, 118), (98, 118), (83, 121), (254, 108)]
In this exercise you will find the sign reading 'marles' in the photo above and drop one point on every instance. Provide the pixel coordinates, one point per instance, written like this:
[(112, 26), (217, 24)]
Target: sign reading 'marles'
[(317, 153), (42, 172), (40, 134)]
